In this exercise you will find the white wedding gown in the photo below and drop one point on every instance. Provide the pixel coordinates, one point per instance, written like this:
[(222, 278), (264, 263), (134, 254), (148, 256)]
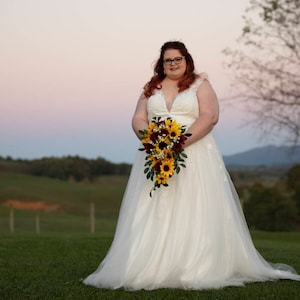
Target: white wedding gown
[(189, 235)]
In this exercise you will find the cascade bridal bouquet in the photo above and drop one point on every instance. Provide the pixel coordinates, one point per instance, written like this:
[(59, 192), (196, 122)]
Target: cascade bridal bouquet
[(163, 142)]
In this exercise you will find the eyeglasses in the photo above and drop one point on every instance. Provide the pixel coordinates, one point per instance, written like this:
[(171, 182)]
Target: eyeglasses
[(176, 60)]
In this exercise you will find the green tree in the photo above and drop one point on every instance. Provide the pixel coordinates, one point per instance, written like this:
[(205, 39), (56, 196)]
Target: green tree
[(75, 167), (266, 67), (293, 184), (293, 177), (268, 209)]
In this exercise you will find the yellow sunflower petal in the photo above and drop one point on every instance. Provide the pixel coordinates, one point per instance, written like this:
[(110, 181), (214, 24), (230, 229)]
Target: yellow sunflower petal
[(167, 168), (168, 154), (160, 179)]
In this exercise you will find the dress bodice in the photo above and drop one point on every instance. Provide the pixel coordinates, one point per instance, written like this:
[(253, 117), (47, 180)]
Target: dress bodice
[(185, 108)]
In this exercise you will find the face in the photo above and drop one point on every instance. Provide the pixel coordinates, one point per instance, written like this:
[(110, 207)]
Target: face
[(174, 64)]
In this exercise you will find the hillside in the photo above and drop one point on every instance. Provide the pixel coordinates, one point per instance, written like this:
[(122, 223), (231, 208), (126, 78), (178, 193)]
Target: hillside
[(269, 156)]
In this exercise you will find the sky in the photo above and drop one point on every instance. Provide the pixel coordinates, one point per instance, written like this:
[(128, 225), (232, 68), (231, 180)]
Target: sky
[(71, 71)]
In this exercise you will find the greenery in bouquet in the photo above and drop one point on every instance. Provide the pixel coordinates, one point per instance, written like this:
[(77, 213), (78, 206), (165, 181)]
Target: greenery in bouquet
[(163, 142)]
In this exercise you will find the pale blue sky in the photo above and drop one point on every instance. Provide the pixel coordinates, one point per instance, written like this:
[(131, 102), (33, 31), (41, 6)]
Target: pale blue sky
[(72, 70)]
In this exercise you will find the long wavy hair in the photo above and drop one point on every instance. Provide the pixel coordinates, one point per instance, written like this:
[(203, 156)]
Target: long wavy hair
[(189, 77)]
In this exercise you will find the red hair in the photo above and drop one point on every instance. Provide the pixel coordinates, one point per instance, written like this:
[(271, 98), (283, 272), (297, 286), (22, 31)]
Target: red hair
[(189, 77)]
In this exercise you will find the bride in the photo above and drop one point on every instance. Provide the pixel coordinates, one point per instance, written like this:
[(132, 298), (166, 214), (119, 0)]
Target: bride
[(191, 234)]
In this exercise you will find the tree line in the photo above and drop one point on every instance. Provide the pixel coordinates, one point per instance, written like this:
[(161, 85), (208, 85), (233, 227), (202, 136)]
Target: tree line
[(65, 168), (272, 207)]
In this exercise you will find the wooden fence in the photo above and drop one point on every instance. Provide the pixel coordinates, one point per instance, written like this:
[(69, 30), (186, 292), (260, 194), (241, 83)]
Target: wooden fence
[(36, 218)]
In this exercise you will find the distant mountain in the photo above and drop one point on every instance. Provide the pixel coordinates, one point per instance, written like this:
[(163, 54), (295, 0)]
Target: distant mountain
[(265, 156)]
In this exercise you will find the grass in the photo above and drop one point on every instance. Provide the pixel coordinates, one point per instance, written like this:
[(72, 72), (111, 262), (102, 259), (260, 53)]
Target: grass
[(74, 198), (52, 266), (24, 222)]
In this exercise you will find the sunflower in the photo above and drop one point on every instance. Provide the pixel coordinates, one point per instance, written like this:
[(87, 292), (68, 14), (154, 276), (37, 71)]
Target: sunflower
[(153, 160), (152, 126), (147, 133), (168, 122), (161, 179), (160, 146), (175, 130), (167, 167), (145, 139), (168, 154)]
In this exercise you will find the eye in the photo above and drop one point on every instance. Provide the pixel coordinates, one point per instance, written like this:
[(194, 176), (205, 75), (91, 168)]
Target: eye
[(167, 60), (177, 59)]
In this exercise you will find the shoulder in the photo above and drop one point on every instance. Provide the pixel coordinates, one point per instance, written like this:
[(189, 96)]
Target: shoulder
[(205, 90), (202, 78)]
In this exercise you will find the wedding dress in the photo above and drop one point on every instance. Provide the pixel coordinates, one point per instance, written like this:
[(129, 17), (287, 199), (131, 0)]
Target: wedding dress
[(189, 235)]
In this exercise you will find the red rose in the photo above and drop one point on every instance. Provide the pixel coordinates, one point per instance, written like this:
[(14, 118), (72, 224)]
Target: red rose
[(148, 148)]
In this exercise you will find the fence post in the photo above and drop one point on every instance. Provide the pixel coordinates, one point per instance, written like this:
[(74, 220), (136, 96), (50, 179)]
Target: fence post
[(11, 220), (92, 217), (37, 223)]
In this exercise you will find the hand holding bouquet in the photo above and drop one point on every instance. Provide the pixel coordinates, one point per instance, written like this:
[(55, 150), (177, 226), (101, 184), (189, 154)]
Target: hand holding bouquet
[(163, 142)]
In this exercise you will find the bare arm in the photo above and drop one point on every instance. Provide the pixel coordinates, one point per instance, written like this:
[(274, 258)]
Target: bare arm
[(140, 119), (208, 113)]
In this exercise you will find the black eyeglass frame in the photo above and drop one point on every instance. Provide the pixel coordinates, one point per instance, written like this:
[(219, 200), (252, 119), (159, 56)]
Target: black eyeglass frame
[(176, 60)]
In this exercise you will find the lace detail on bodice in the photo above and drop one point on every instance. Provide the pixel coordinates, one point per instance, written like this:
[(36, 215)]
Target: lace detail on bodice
[(185, 108)]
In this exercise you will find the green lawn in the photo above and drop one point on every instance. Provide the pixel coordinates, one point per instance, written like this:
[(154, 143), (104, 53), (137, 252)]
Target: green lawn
[(73, 197), (52, 266), (25, 222)]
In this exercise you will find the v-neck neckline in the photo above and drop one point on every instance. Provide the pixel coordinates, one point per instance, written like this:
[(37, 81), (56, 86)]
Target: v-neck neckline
[(165, 102)]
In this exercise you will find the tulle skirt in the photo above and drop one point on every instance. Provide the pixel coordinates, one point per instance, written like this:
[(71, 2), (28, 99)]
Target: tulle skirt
[(189, 235)]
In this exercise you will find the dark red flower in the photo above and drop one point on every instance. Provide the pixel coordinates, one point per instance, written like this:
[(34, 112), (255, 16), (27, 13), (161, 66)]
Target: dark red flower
[(157, 167), (160, 123), (148, 148), (164, 131), (182, 139), (154, 136), (177, 147)]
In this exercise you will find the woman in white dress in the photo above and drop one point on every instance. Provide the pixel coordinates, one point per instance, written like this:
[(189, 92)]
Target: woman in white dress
[(191, 234)]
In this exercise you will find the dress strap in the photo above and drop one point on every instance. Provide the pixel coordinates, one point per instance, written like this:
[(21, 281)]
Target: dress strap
[(203, 77)]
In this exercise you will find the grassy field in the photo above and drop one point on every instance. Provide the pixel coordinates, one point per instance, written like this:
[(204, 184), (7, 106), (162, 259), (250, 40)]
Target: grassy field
[(52, 266), (73, 199)]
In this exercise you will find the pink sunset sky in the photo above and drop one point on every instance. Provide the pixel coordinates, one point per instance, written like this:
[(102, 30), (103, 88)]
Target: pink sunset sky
[(72, 71)]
